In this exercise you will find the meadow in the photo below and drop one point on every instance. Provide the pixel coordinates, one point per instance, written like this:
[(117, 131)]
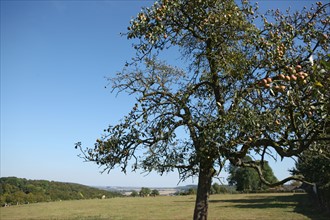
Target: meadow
[(229, 206)]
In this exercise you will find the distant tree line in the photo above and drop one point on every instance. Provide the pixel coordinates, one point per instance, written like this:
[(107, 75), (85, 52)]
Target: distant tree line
[(189, 191), (215, 189), (221, 189), (22, 191), (144, 192)]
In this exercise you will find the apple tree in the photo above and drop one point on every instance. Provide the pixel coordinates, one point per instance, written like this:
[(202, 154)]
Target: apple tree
[(252, 86), (314, 163)]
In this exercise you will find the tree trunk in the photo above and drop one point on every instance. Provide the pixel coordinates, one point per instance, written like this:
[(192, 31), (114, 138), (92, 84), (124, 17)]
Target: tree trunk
[(204, 187)]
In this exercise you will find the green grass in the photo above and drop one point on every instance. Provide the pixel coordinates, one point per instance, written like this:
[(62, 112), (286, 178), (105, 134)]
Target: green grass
[(238, 206)]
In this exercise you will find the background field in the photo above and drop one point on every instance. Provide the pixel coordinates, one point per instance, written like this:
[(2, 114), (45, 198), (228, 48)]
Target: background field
[(237, 206)]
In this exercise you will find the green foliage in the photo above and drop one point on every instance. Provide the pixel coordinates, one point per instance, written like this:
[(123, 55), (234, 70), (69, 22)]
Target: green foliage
[(20, 191), (144, 191), (247, 179), (252, 86), (248, 89), (154, 192), (314, 163), (221, 189), (134, 193), (191, 191), (186, 192)]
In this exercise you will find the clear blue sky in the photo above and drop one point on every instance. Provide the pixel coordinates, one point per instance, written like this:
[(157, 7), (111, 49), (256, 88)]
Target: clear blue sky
[(55, 56)]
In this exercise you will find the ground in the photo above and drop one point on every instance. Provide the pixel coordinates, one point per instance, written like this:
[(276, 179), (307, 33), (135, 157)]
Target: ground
[(230, 206)]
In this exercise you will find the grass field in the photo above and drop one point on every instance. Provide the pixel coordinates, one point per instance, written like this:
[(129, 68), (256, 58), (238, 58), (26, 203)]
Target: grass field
[(237, 206)]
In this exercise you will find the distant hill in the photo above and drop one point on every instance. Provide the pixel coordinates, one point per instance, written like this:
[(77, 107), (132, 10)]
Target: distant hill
[(15, 190)]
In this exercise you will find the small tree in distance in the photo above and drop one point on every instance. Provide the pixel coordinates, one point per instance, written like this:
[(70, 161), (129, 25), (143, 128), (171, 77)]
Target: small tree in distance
[(144, 192), (247, 179), (154, 192), (218, 189), (134, 193), (253, 86)]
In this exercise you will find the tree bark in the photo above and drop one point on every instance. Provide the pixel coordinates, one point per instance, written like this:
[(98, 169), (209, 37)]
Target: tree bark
[(203, 189)]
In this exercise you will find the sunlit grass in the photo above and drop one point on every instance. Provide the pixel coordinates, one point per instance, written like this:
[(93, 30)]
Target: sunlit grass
[(238, 206)]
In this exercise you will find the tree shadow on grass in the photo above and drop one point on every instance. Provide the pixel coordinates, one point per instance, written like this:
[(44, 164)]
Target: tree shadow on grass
[(300, 202)]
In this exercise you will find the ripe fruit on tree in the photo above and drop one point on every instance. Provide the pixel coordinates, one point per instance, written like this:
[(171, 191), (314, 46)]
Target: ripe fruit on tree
[(269, 80), (281, 76), (293, 77)]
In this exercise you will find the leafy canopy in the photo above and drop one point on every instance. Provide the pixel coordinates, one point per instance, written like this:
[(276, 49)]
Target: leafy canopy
[(254, 84), (247, 179)]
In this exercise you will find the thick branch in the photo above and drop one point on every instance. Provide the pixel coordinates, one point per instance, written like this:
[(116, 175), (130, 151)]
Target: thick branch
[(255, 166)]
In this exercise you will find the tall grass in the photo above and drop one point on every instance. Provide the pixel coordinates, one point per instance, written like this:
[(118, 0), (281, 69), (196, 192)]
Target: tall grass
[(238, 206)]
